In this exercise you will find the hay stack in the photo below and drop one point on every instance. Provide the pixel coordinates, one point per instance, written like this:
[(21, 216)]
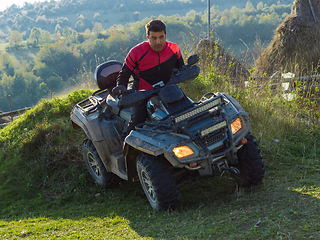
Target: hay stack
[(296, 44), (222, 61)]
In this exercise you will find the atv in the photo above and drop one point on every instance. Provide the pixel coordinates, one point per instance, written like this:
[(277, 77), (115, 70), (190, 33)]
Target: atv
[(182, 140)]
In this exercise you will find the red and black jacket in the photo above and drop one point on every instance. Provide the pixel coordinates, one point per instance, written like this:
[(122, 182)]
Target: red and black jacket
[(150, 66)]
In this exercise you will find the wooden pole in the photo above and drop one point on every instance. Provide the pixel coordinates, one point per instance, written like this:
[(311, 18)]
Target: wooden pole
[(209, 30), (10, 107)]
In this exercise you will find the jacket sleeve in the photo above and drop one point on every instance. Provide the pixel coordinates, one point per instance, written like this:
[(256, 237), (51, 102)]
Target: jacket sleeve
[(179, 62), (124, 75)]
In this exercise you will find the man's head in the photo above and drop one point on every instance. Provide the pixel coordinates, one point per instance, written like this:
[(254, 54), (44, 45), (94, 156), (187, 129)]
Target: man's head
[(156, 34)]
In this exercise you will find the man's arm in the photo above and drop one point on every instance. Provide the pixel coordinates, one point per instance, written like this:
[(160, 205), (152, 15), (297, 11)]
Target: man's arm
[(179, 62), (124, 75)]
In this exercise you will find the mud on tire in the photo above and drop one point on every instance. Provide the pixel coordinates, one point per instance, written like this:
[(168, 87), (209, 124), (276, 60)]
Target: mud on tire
[(96, 168), (250, 164), (157, 182)]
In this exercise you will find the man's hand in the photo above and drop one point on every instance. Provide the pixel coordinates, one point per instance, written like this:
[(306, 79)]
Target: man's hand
[(119, 90)]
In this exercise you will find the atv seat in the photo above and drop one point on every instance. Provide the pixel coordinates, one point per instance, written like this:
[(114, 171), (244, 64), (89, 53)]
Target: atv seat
[(173, 98)]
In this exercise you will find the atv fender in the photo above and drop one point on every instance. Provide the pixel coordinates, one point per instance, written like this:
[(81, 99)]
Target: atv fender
[(143, 144), (134, 144)]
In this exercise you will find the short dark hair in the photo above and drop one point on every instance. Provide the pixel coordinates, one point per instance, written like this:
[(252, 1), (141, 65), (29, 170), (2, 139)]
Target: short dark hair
[(155, 26)]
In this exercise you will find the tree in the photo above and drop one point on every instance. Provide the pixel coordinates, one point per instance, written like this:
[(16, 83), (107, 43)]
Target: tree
[(73, 37), (260, 5), (97, 27), (249, 6), (6, 64), (35, 37), (57, 60), (47, 37), (79, 26), (66, 32), (15, 39), (58, 28)]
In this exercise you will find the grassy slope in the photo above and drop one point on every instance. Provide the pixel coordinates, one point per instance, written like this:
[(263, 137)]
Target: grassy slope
[(46, 193)]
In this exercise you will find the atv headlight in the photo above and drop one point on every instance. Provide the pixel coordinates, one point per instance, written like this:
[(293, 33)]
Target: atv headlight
[(183, 151), (236, 125)]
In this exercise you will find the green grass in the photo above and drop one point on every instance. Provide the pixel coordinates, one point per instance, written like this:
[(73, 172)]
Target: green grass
[(46, 192), (282, 208)]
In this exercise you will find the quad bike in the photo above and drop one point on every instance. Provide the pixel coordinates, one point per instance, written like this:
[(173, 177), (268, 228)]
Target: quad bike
[(181, 140)]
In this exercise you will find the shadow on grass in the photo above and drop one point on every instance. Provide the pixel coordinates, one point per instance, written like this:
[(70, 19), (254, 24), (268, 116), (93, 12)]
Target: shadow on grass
[(285, 205)]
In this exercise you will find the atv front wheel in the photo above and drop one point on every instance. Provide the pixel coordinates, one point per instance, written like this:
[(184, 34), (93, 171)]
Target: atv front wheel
[(250, 164), (96, 168), (157, 182)]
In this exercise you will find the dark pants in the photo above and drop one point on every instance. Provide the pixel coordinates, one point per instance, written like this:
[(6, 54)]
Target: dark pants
[(138, 115)]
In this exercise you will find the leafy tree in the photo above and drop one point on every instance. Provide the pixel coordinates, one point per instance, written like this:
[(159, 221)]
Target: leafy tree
[(97, 27), (79, 26), (35, 37), (58, 28), (73, 37), (57, 60), (260, 5), (249, 6), (15, 39), (66, 32), (6, 64), (47, 37), (5, 90)]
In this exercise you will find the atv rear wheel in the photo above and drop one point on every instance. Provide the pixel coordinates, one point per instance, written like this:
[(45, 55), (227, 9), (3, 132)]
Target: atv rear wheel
[(157, 182), (250, 164), (102, 176)]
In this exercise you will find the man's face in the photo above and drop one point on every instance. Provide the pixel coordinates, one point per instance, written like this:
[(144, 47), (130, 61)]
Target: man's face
[(157, 40)]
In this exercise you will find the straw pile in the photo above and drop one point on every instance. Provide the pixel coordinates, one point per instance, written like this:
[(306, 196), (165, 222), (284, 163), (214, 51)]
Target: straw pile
[(223, 63), (296, 43)]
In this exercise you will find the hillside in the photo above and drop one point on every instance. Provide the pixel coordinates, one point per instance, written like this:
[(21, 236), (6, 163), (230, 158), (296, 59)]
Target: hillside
[(46, 191), (53, 16), (45, 64)]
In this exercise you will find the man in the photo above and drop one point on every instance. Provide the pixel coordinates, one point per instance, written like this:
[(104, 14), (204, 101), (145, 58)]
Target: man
[(150, 62)]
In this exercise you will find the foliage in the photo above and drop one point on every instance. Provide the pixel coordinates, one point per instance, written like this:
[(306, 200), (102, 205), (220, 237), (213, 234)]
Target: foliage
[(6, 64), (15, 41), (58, 61), (35, 37)]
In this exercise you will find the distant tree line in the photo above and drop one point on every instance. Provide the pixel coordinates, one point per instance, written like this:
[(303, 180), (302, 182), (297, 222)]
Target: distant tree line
[(66, 57), (53, 16)]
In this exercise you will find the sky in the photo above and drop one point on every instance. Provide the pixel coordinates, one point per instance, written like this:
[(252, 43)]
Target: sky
[(4, 4)]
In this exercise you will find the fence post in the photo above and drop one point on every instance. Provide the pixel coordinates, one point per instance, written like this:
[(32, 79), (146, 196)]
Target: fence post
[(10, 107)]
